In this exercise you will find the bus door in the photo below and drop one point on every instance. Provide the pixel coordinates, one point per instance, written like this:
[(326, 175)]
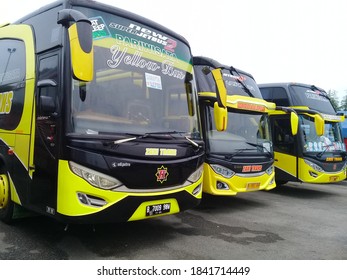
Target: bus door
[(285, 148), (17, 80), (48, 116)]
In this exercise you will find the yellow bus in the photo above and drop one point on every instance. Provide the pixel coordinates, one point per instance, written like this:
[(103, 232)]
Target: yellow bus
[(240, 158), (308, 156), (99, 116)]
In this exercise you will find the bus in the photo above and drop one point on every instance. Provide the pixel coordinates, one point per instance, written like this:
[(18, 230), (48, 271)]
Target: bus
[(309, 156), (99, 117), (344, 127), (240, 158)]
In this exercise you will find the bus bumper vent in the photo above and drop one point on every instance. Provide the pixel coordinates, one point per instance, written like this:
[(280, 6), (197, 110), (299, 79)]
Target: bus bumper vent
[(222, 186), (91, 200)]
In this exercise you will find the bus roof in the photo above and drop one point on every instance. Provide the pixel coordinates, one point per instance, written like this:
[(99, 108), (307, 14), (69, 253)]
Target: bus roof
[(106, 8), (203, 60), (288, 84)]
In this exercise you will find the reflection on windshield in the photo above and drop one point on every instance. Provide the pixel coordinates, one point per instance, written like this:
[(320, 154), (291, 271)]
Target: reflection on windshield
[(330, 141), (312, 97), (246, 133), (238, 83), (140, 85)]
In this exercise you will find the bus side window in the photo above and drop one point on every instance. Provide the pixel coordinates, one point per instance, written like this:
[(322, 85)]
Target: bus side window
[(283, 138), (12, 82), (280, 96), (48, 86)]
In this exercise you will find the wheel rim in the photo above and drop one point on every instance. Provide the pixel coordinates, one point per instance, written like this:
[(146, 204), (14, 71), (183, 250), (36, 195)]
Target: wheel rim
[(4, 191)]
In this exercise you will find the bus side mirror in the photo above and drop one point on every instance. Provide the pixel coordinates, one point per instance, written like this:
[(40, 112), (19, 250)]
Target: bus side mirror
[(220, 107), (221, 91), (220, 117), (81, 44), (319, 124), (294, 123)]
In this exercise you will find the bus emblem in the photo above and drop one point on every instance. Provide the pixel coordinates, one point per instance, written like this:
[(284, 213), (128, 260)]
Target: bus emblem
[(162, 174)]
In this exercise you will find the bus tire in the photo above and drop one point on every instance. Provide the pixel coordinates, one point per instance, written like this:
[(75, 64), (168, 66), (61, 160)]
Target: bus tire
[(6, 204)]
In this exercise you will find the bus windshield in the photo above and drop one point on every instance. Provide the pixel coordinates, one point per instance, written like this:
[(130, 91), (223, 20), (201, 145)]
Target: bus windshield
[(246, 133), (237, 82), (312, 97), (330, 141), (143, 81)]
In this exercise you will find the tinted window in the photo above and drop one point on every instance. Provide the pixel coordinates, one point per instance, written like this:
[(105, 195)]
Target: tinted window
[(314, 98), (48, 70), (47, 31), (12, 76), (280, 96), (141, 84), (236, 82), (267, 94), (12, 58), (277, 95), (283, 138)]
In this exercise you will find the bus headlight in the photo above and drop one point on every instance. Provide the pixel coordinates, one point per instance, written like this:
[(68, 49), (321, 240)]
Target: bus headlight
[(314, 166), (195, 176), (221, 170), (95, 178), (270, 170)]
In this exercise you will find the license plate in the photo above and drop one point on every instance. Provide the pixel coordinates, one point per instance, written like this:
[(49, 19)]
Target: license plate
[(333, 178), (157, 209), (252, 186)]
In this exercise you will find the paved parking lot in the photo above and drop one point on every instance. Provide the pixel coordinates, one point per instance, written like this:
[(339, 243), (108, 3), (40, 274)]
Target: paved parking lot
[(295, 221)]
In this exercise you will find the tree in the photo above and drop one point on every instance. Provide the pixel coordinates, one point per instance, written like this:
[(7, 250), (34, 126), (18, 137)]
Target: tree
[(334, 99), (343, 104)]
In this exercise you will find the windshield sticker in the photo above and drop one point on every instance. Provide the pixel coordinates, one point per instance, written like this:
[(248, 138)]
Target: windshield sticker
[(136, 45), (240, 78), (232, 81), (332, 118), (99, 28), (153, 81), (316, 95), (6, 102), (324, 144), (145, 33), (266, 147), (136, 60)]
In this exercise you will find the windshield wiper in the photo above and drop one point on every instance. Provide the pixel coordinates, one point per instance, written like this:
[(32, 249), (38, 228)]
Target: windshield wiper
[(157, 135), (230, 156), (232, 69), (260, 146), (319, 155)]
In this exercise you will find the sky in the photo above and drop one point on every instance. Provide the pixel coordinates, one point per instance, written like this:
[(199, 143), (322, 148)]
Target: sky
[(274, 40)]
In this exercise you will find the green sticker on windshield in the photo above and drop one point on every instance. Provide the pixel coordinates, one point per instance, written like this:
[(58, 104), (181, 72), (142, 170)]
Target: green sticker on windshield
[(100, 29)]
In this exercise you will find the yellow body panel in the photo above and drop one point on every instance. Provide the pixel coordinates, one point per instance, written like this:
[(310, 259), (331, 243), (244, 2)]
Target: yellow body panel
[(286, 162), (19, 139), (305, 172), (69, 185), (236, 183)]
